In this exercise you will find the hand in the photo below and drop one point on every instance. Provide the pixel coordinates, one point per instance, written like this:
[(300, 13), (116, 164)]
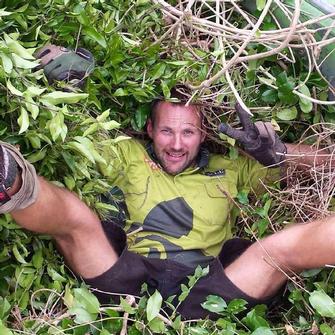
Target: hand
[(258, 139), (63, 64)]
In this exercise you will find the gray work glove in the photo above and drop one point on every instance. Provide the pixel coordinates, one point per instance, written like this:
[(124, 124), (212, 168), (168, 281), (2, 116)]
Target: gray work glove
[(64, 64), (258, 139)]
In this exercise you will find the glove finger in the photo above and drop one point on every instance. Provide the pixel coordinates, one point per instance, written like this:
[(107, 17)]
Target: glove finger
[(266, 131), (84, 53), (236, 134), (244, 117)]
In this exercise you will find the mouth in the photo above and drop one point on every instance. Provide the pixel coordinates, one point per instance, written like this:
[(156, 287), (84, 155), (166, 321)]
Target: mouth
[(175, 156)]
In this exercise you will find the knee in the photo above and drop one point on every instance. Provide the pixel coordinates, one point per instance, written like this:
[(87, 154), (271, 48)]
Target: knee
[(280, 250)]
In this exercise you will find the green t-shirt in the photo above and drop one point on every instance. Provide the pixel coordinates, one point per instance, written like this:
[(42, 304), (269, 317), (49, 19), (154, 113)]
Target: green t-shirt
[(186, 217)]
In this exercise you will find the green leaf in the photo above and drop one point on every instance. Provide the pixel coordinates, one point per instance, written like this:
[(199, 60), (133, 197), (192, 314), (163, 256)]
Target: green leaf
[(322, 303), (56, 98), (198, 331), (37, 156), (214, 304), (35, 91), (260, 4), (263, 331), (157, 326), (103, 116), (154, 305), (236, 306), (23, 120), (17, 255), (31, 106), (253, 320), (85, 306), (84, 298), (83, 149), (141, 115), (6, 63), (109, 125), (305, 104), (13, 90), (82, 315), (23, 63), (266, 81), (70, 182), (310, 273), (4, 330), (105, 332), (165, 89), (288, 114), (126, 306), (56, 125), (5, 308), (55, 275), (91, 129), (17, 48), (158, 71), (325, 329), (95, 36), (4, 13), (38, 259), (120, 92), (130, 41), (270, 96), (242, 197)]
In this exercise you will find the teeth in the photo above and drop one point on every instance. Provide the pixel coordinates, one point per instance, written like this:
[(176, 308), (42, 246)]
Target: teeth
[(176, 155)]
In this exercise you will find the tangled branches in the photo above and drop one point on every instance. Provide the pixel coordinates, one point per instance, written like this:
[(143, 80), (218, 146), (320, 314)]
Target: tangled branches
[(310, 192), (211, 26)]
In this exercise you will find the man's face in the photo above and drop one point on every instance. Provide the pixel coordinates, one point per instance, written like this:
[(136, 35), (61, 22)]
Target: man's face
[(176, 135)]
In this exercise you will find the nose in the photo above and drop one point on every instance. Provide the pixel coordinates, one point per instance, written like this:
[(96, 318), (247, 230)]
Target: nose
[(177, 143)]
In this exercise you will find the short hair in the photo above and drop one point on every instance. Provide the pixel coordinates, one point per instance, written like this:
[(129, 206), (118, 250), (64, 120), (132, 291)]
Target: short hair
[(178, 99)]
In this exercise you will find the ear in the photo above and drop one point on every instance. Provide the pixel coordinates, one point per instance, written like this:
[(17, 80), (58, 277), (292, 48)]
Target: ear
[(203, 135), (150, 128)]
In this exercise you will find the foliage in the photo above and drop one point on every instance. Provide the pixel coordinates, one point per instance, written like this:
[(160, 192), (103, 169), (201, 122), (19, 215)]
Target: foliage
[(64, 131)]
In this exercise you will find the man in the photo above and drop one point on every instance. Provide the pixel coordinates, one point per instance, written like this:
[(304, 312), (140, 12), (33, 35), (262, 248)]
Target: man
[(180, 210)]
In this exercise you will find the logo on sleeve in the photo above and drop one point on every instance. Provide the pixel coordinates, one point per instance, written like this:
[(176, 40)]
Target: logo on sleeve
[(216, 173)]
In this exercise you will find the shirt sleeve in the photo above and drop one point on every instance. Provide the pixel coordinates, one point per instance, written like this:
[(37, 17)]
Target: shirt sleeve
[(253, 176), (117, 157)]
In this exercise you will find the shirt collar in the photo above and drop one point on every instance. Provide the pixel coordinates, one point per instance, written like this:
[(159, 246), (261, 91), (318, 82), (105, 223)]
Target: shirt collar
[(201, 160)]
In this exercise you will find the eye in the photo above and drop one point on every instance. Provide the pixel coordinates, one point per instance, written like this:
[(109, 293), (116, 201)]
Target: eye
[(188, 132), (166, 131)]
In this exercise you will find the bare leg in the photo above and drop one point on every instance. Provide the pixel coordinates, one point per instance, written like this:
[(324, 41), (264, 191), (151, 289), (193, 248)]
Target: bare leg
[(300, 247), (76, 228)]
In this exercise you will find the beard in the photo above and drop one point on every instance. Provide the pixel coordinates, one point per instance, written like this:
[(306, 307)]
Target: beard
[(174, 169)]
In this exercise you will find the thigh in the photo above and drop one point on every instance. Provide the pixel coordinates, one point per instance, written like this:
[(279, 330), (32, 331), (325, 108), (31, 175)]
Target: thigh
[(257, 272)]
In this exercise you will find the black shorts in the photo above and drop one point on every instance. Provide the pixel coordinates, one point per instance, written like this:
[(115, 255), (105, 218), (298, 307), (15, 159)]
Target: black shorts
[(131, 270)]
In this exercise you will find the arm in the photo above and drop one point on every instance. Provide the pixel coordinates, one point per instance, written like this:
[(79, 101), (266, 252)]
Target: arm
[(307, 156), (260, 141)]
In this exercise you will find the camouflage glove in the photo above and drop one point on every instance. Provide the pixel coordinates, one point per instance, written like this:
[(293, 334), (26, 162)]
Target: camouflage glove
[(258, 139), (63, 64)]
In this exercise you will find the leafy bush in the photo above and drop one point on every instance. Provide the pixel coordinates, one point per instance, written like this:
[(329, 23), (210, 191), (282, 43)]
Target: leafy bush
[(140, 55)]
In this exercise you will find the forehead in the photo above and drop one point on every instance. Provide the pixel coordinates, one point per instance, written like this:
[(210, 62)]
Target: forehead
[(172, 114)]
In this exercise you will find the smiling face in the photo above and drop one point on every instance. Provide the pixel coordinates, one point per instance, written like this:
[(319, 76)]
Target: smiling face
[(176, 134)]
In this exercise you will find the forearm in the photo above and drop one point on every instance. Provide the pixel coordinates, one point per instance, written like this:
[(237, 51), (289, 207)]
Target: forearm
[(306, 155)]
